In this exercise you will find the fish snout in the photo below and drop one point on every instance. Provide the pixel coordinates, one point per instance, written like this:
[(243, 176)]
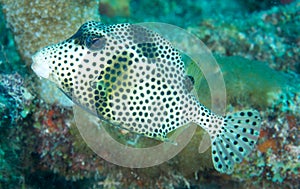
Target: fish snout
[(40, 65)]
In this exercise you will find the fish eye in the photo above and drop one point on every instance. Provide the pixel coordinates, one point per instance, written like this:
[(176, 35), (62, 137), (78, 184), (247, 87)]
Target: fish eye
[(95, 43)]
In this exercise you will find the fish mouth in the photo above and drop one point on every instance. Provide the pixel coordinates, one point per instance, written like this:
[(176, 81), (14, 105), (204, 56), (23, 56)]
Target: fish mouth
[(40, 66)]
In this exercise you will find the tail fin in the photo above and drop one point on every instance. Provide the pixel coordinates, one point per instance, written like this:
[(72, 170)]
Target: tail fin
[(237, 139)]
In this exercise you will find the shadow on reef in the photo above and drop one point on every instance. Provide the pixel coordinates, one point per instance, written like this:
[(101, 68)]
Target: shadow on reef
[(49, 180)]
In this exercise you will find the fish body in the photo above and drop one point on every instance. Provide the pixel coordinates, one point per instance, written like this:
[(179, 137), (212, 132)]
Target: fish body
[(133, 78)]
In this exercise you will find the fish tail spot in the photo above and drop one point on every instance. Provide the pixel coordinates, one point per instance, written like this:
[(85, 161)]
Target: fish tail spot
[(237, 139)]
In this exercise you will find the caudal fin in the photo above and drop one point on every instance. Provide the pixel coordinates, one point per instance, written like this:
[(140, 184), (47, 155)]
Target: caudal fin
[(237, 139)]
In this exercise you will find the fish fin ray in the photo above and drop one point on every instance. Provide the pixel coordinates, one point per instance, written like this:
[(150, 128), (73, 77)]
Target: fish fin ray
[(236, 140)]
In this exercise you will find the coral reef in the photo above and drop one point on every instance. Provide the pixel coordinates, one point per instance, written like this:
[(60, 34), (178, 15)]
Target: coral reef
[(38, 23), (276, 163), (151, 11), (40, 146), (10, 60), (15, 103), (62, 151), (17, 95), (257, 5), (251, 84), (269, 36), (276, 94), (115, 8)]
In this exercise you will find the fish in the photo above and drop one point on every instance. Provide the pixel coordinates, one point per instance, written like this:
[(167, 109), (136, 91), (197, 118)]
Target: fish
[(133, 78)]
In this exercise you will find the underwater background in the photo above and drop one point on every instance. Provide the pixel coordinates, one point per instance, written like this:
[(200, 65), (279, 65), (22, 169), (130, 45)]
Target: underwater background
[(255, 42)]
